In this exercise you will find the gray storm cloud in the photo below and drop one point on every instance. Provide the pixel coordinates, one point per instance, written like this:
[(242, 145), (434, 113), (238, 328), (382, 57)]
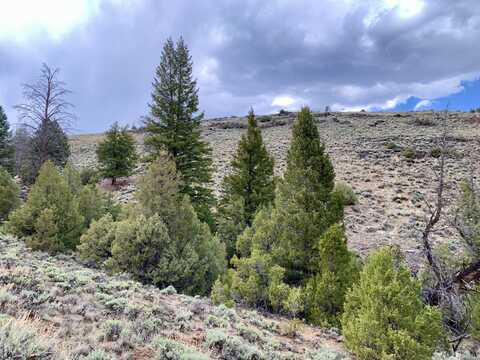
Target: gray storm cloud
[(256, 53)]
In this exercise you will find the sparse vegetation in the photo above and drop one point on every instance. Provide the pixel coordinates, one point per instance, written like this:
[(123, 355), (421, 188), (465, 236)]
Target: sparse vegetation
[(20, 340), (346, 192), (409, 153)]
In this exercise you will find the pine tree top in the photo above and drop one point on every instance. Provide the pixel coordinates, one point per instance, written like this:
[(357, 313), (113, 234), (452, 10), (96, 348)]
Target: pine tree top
[(252, 171), (307, 161)]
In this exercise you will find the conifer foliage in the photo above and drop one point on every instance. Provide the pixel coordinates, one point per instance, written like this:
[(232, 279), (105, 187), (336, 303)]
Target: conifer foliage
[(385, 317), (174, 126), (50, 219), (116, 153), (58, 210), (296, 250), (9, 194), (249, 187), (6, 146), (161, 241)]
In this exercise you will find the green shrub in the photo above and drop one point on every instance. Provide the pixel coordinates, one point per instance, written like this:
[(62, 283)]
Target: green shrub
[(89, 176), (96, 244), (327, 354), (9, 194), (385, 317), (409, 153), (264, 118), (50, 219), (112, 329), (231, 347), (249, 334), (94, 203), (346, 192), (19, 341), (169, 290), (436, 152), (474, 309), (192, 258), (336, 273), (167, 349), (214, 321)]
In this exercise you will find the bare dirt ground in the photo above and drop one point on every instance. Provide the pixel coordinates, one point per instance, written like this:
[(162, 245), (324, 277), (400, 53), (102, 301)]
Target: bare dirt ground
[(367, 150)]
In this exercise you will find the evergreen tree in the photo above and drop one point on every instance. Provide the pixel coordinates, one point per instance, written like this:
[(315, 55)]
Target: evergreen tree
[(161, 241), (306, 205), (50, 219), (252, 172), (7, 150), (72, 177), (116, 153), (9, 194), (337, 271), (296, 250), (174, 126), (48, 142), (249, 186), (385, 317)]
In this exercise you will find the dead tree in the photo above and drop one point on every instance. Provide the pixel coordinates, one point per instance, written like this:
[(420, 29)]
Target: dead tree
[(46, 114), (449, 289)]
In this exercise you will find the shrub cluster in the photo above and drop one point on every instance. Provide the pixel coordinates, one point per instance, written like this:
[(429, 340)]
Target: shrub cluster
[(385, 317), (160, 240), (58, 210)]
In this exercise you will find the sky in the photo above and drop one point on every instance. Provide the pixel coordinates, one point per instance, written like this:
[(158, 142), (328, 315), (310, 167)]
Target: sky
[(377, 55)]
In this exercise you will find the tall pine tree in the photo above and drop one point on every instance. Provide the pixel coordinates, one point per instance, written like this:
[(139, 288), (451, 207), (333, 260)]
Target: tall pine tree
[(174, 126), (306, 204), (249, 186), (7, 160), (294, 257)]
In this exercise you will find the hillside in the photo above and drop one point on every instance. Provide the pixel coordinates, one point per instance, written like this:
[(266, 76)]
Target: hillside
[(55, 308), (368, 152)]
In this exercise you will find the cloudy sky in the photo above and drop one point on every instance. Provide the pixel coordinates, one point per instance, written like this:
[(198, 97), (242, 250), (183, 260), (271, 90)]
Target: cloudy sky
[(268, 54)]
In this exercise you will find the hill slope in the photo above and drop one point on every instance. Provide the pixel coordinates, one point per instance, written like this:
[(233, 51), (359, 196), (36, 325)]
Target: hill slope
[(367, 150), (55, 308)]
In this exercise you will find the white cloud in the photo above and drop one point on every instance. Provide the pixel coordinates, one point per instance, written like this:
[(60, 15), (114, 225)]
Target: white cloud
[(287, 102), (406, 8), (22, 20), (422, 104)]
